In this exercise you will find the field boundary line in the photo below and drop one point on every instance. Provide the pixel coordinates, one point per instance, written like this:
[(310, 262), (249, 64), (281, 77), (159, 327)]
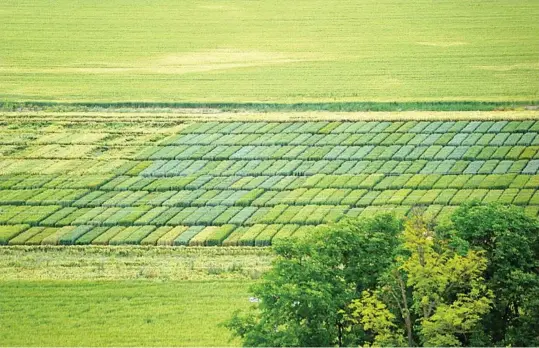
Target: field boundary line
[(187, 116)]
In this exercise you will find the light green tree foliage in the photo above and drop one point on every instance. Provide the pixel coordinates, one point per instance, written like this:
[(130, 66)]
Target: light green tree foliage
[(432, 295), (304, 299)]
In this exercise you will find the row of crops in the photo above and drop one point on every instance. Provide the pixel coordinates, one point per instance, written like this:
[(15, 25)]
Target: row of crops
[(250, 183), (179, 235), (176, 168), (405, 189), (421, 146), (83, 143)]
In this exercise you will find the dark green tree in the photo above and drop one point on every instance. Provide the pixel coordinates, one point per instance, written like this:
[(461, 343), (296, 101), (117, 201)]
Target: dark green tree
[(305, 297), (510, 240)]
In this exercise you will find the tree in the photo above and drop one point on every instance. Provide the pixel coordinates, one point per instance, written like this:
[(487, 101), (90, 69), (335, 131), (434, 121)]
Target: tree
[(305, 297), (472, 281), (432, 295), (510, 240)]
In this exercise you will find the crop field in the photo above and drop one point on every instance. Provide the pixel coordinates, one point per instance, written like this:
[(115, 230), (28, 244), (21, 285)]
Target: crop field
[(281, 51), (157, 181), (153, 152), (124, 296)]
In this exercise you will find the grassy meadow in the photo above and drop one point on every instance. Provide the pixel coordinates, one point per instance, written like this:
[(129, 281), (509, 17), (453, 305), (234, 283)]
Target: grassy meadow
[(101, 296), (119, 313), (268, 51)]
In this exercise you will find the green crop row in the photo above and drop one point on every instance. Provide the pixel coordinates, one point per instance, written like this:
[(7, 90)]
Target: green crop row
[(191, 159), (337, 127)]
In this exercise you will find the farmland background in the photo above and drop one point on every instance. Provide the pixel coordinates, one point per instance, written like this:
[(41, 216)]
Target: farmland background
[(218, 56), (239, 51)]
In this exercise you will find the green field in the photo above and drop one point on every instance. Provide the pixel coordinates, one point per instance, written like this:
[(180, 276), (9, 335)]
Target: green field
[(119, 313), (280, 51), (123, 296), (151, 152), (171, 181)]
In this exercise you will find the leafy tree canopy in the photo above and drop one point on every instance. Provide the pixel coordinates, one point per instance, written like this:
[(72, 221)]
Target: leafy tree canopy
[(379, 281), (510, 240), (304, 298)]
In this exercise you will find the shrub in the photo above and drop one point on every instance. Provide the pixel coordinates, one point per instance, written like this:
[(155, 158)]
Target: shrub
[(32, 215), (225, 216), (53, 219), (473, 167), (334, 214), (200, 238), (150, 215), (288, 214), (368, 198), (24, 235), (286, 231), (165, 216), (416, 167), (495, 181), (499, 139), (518, 166), (532, 167)]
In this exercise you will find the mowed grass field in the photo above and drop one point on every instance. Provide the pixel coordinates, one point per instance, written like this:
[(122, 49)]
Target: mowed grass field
[(283, 51), (123, 296)]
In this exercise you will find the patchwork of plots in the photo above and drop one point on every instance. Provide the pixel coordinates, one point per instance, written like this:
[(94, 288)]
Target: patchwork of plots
[(248, 183)]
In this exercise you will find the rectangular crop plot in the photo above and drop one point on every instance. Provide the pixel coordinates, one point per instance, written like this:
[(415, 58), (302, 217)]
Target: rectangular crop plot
[(250, 182)]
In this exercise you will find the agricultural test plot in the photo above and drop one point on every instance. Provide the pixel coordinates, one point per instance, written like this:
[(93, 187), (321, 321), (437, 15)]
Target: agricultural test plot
[(240, 183)]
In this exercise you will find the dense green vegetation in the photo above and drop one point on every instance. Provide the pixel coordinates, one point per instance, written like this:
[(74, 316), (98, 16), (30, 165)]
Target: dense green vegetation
[(241, 183), (278, 51), (470, 281)]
